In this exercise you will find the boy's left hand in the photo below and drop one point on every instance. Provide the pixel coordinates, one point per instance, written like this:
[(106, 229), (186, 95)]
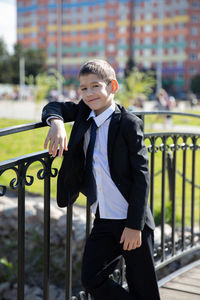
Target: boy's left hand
[(131, 238)]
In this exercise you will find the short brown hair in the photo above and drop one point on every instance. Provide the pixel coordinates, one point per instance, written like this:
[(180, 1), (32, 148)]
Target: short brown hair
[(99, 67)]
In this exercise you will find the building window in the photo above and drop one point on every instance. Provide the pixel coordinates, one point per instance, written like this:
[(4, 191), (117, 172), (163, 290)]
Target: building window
[(111, 24), (20, 36), (84, 43), (148, 28), (136, 41), (193, 44), (101, 30), (42, 28), (111, 36), (147, 52), (137, 29), (111, 12), (195, 18), (147, 40), (122, 29), (193, 70), (34, 34), (194, 31), (193, 57), (111, 48), (195, 4), (147, 64)]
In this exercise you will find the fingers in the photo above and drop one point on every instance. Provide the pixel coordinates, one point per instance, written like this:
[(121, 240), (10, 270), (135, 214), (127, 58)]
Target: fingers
[(129, 245), (56, 139), (131, 239)]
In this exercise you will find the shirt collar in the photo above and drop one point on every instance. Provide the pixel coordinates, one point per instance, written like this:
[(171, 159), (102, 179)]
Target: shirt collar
[(100, 119)]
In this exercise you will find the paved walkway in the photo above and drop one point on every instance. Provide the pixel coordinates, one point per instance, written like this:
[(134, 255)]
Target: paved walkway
[(24, 110), (183, 285)]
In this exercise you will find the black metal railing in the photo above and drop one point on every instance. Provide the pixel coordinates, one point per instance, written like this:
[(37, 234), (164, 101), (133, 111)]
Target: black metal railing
[(175, 186)]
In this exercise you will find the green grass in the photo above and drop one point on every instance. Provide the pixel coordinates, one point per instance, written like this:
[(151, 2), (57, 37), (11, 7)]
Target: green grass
[(32, 141)]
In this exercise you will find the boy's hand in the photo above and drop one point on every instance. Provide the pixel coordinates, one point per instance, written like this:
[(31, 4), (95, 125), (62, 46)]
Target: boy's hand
[(131, 238), (56, 136)]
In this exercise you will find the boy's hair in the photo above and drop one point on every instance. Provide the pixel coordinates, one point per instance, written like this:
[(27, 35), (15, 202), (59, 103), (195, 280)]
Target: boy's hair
[(98, 67)]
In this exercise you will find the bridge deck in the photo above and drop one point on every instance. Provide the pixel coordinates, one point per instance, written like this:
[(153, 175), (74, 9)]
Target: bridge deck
[(185, 286)]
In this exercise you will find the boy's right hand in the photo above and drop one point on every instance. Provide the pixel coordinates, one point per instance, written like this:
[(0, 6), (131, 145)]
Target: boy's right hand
[(56, 137)]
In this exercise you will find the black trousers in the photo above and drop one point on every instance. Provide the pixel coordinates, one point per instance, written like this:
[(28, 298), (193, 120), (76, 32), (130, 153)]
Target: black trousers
[(101, 250)]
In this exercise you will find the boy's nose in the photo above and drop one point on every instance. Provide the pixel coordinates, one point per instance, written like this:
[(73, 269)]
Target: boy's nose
[(89, 92)]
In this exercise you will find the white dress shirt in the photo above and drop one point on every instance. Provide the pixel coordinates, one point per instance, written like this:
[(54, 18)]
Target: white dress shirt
[(112, 204)]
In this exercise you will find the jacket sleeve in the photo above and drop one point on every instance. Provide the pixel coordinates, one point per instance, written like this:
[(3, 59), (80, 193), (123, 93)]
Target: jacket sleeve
[(66, 111), (139, 164)]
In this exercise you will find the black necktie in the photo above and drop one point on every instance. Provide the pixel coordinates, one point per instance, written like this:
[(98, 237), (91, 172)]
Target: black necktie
[(91, 192)]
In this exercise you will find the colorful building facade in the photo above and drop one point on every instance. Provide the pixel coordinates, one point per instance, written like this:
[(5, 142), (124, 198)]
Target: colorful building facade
[(159, 34)]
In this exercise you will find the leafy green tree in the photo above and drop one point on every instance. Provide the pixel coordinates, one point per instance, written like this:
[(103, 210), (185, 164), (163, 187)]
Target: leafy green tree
[(195, 84), (18, 52), (136, 85), (43, 83), (5, 64), (34, 62)]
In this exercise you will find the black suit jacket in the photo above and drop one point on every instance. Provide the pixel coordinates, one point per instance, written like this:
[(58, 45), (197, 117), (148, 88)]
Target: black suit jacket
[(127, 157)]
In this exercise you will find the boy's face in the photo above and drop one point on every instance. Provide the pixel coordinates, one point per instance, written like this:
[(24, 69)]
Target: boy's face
[(96, 93)]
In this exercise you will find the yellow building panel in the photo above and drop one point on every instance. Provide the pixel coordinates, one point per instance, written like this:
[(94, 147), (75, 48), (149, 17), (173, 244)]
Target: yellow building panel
[(164, 58), (27, 29), (52, 27), (90, 26), (123, 23), (165, 21)]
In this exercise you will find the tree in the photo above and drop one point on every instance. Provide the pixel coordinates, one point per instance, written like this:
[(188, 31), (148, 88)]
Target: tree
[(195, 84), (34, 62), (135, 86), (5, 64), (43, 83)]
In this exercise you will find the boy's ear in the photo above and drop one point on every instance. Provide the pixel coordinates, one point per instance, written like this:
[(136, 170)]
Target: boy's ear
[(114, 85)]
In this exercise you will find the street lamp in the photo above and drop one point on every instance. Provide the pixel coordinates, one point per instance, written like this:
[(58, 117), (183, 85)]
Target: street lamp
[(59, 46)]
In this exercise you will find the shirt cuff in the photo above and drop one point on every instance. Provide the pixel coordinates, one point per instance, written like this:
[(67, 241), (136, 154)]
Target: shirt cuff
[(52, 117)]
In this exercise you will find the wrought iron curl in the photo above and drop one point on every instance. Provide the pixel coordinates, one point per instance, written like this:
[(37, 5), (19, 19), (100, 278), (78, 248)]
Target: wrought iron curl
[(152, 148), (174, 147), (31, 178), (2, 190), (163, 147), (14, 183), (42, 173), (184, 146), (47, 169), (53, 171), (193, 147)]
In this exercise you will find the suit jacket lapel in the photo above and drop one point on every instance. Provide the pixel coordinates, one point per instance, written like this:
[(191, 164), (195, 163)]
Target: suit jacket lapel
[(112, 131)]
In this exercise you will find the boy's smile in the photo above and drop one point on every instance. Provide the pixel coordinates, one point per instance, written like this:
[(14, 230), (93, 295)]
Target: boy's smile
[(96, 93)]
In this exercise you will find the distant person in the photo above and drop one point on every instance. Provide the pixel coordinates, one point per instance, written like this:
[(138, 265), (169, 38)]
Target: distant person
[(165, 103), (112, 171)]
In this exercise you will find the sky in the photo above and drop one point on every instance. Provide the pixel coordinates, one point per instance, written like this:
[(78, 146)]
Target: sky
[(8, 23)]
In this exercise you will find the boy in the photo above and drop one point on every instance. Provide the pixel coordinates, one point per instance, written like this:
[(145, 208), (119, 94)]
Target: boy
[(116, 184)]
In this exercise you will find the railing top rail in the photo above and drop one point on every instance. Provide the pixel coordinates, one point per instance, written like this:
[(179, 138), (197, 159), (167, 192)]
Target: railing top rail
[(24, 158), (166, 112), (21, 128), (26, 127), (171, 134)]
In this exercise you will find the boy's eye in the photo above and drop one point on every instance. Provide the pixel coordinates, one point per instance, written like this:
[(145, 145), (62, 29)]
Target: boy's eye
[(83, 89)]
